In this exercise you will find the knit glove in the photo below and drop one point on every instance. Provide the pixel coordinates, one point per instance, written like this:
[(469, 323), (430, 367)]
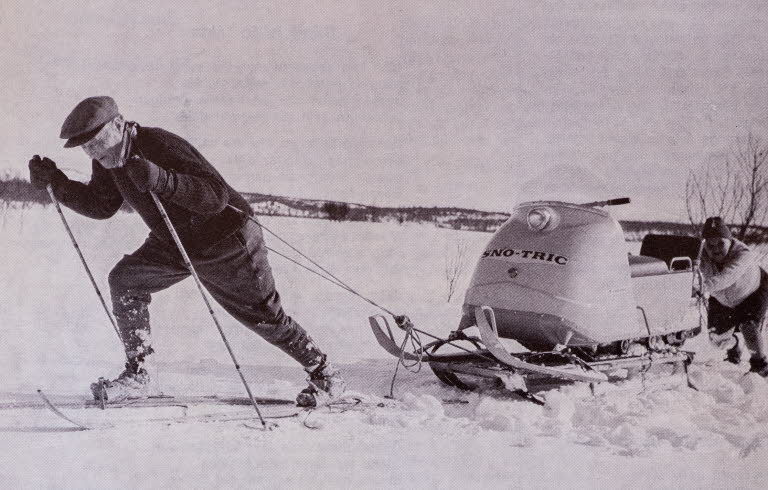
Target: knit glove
[(41, 171), (147, 176)]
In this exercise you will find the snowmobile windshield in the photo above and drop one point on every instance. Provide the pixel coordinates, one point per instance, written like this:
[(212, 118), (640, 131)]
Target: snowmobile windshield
[(565, 184)]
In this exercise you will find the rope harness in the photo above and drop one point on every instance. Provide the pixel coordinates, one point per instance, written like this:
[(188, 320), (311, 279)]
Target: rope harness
[(412, 336)]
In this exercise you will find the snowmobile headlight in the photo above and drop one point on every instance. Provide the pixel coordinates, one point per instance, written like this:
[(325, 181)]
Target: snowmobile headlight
[(539, 218)]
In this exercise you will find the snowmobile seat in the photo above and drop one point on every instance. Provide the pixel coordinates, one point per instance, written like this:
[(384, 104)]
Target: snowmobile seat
[(671, 248), (641, 265)]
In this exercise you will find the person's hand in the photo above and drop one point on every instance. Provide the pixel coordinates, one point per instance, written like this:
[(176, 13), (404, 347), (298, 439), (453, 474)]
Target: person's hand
[(41, 171), (724, 340), (146, 175)]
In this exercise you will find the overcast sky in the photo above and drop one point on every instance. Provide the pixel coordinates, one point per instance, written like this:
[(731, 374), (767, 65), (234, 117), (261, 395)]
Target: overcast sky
[(451, 103)]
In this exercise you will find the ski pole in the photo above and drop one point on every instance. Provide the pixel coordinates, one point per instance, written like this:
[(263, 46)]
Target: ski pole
[(192, 271), (82, 259)]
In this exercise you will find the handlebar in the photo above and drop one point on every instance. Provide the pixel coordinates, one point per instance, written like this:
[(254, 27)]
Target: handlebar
[(610, 202)]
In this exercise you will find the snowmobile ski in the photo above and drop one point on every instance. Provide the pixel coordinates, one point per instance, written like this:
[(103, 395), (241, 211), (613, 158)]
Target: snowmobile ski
[(387, 341), (494, 353), (493, 344)]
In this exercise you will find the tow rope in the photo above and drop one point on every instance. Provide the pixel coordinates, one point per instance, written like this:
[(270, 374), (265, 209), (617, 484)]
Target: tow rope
[(412, 334)]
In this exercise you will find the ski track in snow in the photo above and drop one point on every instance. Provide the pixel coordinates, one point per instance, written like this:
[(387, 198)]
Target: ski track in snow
[(57, 338)]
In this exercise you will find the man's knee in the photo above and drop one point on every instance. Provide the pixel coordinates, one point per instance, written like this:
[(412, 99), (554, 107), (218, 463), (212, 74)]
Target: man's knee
[(129, 278), (120, 279)]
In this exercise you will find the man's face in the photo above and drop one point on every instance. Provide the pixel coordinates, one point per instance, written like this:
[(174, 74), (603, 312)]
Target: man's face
[(717, 248), (105, 145)]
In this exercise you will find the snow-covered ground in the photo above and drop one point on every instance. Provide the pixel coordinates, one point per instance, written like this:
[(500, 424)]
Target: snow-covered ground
[(55, 336)]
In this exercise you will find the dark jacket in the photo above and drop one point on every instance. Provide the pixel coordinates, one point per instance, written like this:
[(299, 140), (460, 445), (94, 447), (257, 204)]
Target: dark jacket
[(196, 204)]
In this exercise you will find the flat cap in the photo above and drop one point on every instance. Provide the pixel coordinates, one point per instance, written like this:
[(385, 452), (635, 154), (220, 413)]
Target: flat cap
[(86, 119), (715, 227)]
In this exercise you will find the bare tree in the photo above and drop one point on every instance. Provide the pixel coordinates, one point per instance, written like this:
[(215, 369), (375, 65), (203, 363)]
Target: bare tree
[(23, 206), (4, 205), (454, 267), (734, 187)]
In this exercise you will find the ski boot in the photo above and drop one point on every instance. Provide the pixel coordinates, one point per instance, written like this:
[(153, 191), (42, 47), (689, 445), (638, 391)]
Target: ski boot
[(325, 384), (733, 355), (133, 382), (758, 365)]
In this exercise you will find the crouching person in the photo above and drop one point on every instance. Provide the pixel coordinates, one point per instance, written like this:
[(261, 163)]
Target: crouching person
[(738, 300), (213, 220)]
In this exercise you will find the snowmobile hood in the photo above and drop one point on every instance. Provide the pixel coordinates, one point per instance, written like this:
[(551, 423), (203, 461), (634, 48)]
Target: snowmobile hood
[(570, 274)]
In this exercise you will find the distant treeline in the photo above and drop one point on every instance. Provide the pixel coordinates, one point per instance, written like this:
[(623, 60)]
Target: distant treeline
[(453, 217), (636, 230), (15, 189)]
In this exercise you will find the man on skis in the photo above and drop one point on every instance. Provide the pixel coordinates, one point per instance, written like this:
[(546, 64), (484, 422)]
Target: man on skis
[(738, 300), (213, 221)]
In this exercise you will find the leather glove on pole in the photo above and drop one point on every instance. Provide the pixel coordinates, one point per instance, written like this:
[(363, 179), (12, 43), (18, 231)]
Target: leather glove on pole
[(146, 175), (41, 171)]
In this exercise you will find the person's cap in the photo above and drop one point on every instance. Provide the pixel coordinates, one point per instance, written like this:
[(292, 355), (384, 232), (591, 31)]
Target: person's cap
[(86, 119), (714, 227)]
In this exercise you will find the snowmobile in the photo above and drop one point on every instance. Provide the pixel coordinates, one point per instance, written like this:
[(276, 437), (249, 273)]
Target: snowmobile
[(557, 279)]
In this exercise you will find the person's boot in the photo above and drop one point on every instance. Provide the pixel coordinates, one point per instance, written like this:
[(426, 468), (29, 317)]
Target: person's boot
[(325, 381), (759, 365), (733, 355), (325, 384), (133, 382)]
